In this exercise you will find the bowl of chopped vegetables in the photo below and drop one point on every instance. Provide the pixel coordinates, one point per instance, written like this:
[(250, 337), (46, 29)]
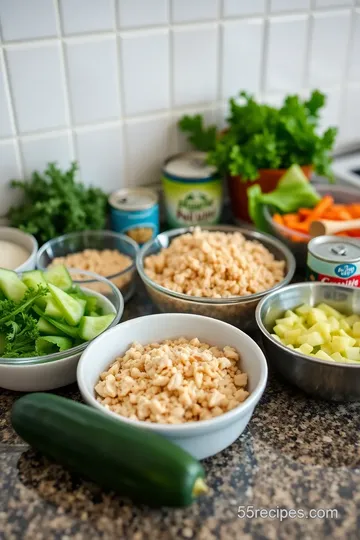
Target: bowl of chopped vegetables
[(46, 320), (311, 334), (292, 228)]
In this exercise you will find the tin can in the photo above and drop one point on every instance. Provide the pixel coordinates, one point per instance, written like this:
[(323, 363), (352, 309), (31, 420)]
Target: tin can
[(192, 190), (135, 212), (334, 260)]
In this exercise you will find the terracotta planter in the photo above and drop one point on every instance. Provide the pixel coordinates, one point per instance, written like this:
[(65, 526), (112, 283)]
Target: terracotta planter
[(268, 181)]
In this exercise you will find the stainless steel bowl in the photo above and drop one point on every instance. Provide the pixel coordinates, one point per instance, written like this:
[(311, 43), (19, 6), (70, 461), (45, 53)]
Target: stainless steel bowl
[(328, 380), (236, 310)]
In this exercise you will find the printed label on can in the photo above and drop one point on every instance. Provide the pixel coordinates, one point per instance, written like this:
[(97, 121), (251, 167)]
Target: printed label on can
[(192, 203), (140, 225), (342, 274)]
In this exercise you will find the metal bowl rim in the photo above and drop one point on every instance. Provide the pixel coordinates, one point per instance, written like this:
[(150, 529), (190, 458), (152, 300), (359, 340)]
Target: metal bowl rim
[(267, 334), (261, 237)]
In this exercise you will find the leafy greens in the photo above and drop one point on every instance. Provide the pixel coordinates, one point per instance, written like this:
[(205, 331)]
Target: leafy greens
[(260, 136), (55, 204)]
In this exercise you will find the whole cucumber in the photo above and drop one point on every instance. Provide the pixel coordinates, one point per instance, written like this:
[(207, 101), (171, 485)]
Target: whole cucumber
[(134, 462)]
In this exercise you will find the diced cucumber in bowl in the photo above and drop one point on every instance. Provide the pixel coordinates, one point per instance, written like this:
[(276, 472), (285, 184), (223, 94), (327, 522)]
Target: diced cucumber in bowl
[(59, 276), (11, 285), (51, 309), (48, 329), (91, 327), (71, 308)]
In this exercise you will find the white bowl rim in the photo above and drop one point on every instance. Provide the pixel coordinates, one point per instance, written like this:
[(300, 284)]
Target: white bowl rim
[(187, 427), (35, 245), (306, 357)]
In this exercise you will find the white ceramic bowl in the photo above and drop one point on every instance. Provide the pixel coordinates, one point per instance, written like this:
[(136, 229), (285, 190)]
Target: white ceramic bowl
[(40, 373), (206, 437), (27, 241)]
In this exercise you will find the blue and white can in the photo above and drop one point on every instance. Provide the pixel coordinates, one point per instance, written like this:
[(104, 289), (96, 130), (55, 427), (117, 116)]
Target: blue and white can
[(135, 212)]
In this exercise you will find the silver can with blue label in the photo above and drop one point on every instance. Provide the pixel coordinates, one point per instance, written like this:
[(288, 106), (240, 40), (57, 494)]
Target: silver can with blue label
[(135, 212)]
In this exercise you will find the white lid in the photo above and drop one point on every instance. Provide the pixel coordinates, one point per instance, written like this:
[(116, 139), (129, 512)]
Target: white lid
[(133, 199), (189, 166)]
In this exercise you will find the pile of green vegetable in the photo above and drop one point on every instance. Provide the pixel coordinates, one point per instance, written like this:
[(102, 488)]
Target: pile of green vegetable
[(55, 204), (259, 136), (44, 312)]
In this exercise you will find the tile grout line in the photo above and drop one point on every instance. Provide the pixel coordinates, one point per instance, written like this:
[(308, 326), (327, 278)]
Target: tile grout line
[(66, 80), (309, 42), (264, 50), (121, 93), (220, 51), (344, 80)]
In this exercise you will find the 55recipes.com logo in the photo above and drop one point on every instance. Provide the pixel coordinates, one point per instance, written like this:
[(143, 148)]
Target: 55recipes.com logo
[(250, 512)]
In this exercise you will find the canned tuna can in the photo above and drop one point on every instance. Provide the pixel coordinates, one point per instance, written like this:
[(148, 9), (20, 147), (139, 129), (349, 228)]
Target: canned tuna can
[(135, 212), (192, 190), (334, 260)]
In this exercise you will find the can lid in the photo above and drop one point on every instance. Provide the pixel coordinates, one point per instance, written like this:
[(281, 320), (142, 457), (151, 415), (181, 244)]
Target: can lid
[(189, 165), (133, 199), (335, 249)]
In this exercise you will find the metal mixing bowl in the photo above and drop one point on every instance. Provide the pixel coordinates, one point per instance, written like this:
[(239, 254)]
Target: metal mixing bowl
[(333, 381), (236, 310)]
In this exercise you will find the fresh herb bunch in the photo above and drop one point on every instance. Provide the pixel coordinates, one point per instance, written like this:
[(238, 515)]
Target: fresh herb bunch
[(55, 204), (18, 327), (263, 137)]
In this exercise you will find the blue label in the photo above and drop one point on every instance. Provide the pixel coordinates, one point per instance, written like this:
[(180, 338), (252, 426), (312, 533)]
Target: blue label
[(140, 225), (345, 270)]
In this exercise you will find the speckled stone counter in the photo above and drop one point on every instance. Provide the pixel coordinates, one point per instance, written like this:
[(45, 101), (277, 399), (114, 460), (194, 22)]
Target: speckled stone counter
[(297, 453)]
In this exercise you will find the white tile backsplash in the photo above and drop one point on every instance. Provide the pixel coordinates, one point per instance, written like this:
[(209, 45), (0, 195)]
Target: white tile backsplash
[(38, 151), (329, 48), (354, 60), (350, 120), (100, 153), (10, 170), (277, 6), (285, 65), (138, 13), (37, 85), (93, 80), (233, 8), (242, 44), (194, 64), (105, 81), (145, 76), (25, 19), (188, 10), (146, 140), (80, 16), (6, 124), (332, 3)]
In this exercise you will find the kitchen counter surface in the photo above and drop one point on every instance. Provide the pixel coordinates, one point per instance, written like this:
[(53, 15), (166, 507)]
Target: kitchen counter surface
[(297, 453)]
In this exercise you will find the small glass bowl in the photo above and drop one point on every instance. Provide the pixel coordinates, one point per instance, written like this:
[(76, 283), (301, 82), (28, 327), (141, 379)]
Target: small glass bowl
[(100, 240), (111, 300)]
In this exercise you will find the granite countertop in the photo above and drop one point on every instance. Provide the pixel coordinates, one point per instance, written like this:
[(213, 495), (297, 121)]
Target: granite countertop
[(297, 453)]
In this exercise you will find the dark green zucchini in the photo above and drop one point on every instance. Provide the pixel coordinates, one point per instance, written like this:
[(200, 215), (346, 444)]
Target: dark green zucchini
[(134, 462)]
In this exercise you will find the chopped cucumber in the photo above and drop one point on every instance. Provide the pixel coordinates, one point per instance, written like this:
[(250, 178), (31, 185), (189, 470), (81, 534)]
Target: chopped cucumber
[(51, 309), (65, 328), (52, 344), (47, 328), (59, 276), (70, 307), (34, 279), (12, 286), (90, 327)]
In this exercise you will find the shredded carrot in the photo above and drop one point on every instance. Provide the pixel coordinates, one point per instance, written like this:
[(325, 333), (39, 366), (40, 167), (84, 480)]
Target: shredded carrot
[(300, 221)]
